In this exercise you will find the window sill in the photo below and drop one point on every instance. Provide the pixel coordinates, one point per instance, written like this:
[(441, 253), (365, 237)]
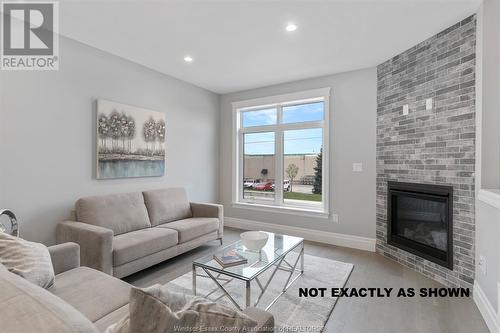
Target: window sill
[(303, 211)]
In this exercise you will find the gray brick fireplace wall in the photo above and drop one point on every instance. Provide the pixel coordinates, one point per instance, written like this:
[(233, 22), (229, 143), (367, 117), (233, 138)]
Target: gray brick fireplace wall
[(434, 146)]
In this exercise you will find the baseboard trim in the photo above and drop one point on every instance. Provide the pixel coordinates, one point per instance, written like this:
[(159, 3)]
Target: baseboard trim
[(490, 197), (486, 309), (355, 242)]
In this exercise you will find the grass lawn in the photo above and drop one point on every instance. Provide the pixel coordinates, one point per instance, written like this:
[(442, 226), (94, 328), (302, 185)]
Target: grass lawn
[(302, 196)]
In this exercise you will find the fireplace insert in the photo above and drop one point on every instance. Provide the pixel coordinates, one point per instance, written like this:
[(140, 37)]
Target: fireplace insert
[(420, 220)]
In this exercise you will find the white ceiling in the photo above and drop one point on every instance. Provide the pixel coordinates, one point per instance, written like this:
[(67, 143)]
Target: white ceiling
[(238, 45)]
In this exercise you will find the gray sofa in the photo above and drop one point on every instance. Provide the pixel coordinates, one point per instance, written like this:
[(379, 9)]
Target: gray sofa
[(82, 300), (121, 234)]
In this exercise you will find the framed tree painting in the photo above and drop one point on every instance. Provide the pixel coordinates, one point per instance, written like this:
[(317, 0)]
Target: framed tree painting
[(130, 141)]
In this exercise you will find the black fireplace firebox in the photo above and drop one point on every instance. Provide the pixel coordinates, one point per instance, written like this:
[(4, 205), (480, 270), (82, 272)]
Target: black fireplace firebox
[(420, 220)]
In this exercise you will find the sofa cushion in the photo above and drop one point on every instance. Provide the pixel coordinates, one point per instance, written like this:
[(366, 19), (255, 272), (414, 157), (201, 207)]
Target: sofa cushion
[(122, 326), (29, 260), (137, 244), (112, 318), (119, 212), (27, 308), (167, 205), (192, 228), (264, 318), (91, 292)]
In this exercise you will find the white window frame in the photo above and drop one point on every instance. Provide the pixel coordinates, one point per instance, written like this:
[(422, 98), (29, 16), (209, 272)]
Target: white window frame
[(309, 96)]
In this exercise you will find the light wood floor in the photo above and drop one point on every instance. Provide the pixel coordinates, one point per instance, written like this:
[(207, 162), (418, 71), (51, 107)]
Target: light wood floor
[(351, 315)]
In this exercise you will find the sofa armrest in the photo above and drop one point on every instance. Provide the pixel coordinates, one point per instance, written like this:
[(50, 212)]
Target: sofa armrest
[(264, 319), (209, 210), (64, 257), (96, 243)]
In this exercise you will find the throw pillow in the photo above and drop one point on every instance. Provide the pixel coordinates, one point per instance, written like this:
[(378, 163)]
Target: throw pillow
[(157, 310), (27, 259)]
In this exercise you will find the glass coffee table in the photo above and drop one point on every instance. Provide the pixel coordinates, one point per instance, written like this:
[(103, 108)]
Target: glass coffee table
[(272, 257)]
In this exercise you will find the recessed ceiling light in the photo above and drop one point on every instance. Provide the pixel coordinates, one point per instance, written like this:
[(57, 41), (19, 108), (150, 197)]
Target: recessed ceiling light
[(291, 27), (188, 59)]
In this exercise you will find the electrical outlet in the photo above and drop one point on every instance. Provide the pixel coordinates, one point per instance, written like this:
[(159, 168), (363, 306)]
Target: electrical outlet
[(428, 104), (482, 264), (357, 167), (335, 218), (406, 109)]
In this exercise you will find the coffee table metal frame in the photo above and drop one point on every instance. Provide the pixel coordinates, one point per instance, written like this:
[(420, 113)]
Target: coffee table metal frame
[(221, 278)]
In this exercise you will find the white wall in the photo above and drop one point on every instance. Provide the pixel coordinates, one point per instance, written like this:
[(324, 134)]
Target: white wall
[(353, 130), (47, 134), (487, 282), (486, 288), (488, 232), (490, 170)]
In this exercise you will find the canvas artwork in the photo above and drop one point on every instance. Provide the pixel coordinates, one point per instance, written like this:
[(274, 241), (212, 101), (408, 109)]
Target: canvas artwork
[(130, 141)]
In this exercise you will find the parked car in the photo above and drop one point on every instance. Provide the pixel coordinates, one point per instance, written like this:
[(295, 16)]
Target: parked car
[(249, 183), (286, 185), (264, 186)]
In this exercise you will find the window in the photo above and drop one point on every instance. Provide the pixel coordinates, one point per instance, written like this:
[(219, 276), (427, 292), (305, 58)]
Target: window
[(258, 165), (282, 140)]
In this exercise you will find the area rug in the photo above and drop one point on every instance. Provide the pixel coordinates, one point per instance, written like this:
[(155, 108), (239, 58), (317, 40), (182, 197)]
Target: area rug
[(291, 312)]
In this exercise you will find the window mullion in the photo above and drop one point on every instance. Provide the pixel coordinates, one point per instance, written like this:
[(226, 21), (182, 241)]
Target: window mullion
[(304, 125), (259, 129), (241, 165), (278, 182)]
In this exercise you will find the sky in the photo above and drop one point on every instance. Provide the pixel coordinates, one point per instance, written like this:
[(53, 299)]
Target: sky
[(306, 141)]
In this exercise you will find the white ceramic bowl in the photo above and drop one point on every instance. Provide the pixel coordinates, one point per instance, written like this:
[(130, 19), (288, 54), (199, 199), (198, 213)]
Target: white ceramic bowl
[(254, 240)]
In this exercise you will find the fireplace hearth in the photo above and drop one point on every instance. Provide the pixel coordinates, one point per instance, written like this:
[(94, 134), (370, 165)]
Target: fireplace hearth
[(420, 220)]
